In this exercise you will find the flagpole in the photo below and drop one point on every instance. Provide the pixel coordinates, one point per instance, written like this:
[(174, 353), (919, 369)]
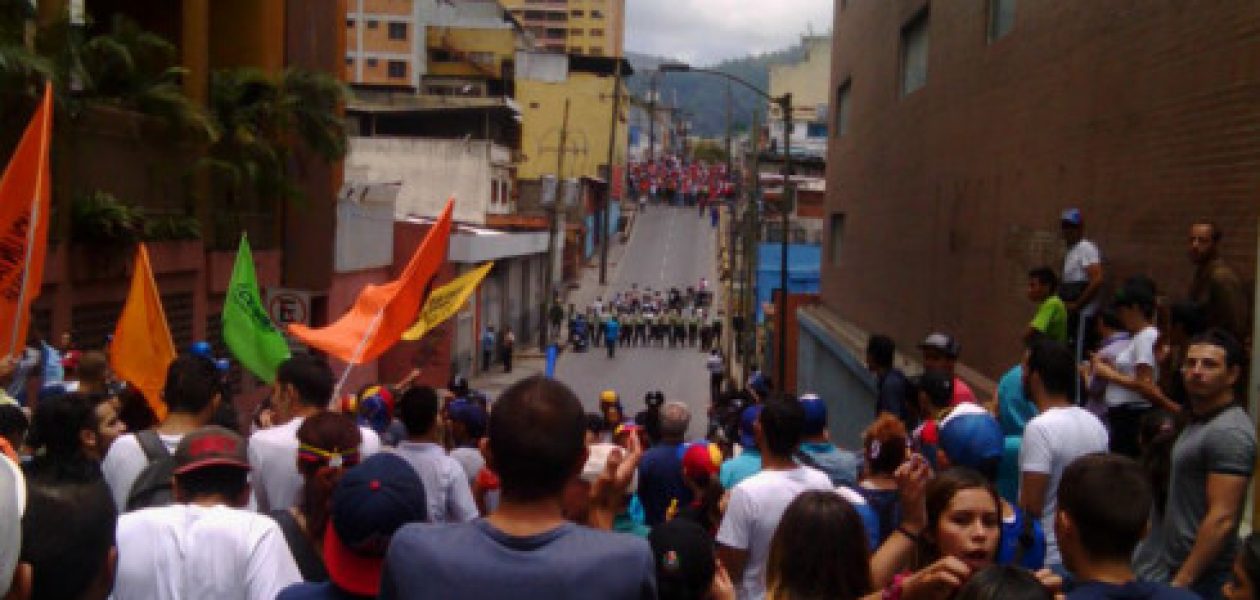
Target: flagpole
[(33, 226), (357, 356)]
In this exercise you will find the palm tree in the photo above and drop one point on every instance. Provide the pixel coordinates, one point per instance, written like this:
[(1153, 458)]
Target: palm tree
[(261, 119)]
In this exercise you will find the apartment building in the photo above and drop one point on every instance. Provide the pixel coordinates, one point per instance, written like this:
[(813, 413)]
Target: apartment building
[(585, 27)]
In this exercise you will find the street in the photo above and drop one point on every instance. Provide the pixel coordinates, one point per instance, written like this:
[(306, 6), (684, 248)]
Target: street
[(670, 247)]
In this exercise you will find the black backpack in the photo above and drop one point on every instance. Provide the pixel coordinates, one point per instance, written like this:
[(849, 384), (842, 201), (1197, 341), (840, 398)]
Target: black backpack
[(153, 486)]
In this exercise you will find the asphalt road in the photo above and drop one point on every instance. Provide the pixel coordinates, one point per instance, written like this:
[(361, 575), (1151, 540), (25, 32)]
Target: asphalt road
[(670, 247)]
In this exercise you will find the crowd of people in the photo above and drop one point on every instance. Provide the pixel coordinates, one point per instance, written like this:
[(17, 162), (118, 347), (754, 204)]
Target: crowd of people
[(645, 318), (406, 491)]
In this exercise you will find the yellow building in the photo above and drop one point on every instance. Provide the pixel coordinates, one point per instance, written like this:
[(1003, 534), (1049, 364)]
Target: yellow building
[(543, 85), (809, 83), (587, 27)]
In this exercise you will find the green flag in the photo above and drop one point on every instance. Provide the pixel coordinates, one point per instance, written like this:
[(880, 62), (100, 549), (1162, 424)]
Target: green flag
[(247, 330)]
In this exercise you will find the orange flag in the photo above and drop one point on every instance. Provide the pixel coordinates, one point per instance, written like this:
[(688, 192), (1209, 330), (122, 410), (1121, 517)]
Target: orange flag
[(24, 206), (142, 349), (382, 313)]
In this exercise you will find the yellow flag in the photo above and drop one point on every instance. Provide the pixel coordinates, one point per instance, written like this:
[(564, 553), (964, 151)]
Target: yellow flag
[(445, 301), (142, 349)]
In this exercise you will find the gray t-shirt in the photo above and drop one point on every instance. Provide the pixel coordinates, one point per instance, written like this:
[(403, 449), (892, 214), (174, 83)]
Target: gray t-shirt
[(1224, 444), (475, 560)]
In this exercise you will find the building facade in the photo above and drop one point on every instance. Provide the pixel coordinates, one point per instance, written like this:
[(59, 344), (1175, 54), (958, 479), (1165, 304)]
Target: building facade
[(587, 27), (960, 130), (807, 81)]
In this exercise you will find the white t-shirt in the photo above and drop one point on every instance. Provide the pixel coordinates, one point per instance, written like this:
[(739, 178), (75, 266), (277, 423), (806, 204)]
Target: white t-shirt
[(125, 461), (187, 552), (1140, 351), (1076, 265), (1052, 440), (446, 489), (273, 456), (753, 514)]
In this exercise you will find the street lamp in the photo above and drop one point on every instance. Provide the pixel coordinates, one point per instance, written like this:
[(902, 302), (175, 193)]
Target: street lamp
[(785, 104)]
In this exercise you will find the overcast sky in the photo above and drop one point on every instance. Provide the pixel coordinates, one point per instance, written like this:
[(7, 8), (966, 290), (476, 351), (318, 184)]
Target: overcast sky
[(707, 31)]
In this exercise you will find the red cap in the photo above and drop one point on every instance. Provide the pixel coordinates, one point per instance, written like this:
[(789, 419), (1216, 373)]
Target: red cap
[(701, 459)]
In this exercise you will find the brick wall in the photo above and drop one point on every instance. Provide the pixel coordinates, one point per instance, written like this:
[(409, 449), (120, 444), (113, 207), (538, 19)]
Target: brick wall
[(1144, 113)]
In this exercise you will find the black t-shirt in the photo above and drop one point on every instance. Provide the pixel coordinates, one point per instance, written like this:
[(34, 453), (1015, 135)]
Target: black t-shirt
[(1133, 590)]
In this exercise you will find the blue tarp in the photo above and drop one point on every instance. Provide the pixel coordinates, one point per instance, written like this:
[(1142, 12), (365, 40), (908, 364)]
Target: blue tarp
[(804, 264)]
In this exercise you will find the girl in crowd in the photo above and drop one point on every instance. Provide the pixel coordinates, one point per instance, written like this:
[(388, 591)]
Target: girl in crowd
[(818, 551), (885, 446), (328, 444)]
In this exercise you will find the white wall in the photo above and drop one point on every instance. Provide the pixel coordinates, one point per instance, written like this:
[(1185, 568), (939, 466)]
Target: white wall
[(431, 170)]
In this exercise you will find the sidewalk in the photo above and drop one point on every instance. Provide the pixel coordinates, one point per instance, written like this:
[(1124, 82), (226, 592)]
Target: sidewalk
[(529, 360)]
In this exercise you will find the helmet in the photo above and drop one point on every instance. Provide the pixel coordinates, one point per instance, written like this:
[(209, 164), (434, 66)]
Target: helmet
[(608, 397)]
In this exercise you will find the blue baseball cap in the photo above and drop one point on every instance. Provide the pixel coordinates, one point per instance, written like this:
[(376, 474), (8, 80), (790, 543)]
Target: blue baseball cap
[(815, 414), (371, 502), (1072, 216), (471, 414), (747, 435), (973, 439)]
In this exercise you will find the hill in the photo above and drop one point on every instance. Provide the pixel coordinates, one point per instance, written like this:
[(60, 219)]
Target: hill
[(704, 96)]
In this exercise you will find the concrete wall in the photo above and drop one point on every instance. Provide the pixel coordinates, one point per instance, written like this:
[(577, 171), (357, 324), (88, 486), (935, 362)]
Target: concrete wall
[(431, 170), (1139, 112), (834, 371)]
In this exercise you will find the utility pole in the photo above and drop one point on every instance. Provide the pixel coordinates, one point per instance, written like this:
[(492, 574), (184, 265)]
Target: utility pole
[(752, 255), (602, 218), (552, 211), (785, 212), (652, 117)]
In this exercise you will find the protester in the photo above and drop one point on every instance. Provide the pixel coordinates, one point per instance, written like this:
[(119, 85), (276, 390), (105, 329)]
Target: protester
[(893, 391), (304, 385), (507, 348), (583, 503), (757, 503), (328, 445), (535, 445), (1104, 501), (940, 353), (369, 504), (68, 547), (1113, 339), (488, 342), (1014, 410), (466, 422), (1082, 279), (1212, 464), (12, 507), (70, 434), (91, 374), (206, 544), (700, 464), (1061, 433), (885, 446), (1133, 378), (445, 481), (1216, 287), (661, 469), (817, 451), (748, 462), (191, 394), (717, 372), (1051, 319), (686, 568), (818, 551), (975, 441)]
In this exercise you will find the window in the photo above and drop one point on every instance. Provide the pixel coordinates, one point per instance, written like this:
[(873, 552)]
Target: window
[(597, 33), (914, 54), (373, 24), (397, 69), (575, 50), (842, 109), (1001, 18), (481, 58), (371, 62), (596, 51), (577, 14), (397, 31), (349, 23), (837, 237), (349, 61), (816, 130), (597, 14)]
